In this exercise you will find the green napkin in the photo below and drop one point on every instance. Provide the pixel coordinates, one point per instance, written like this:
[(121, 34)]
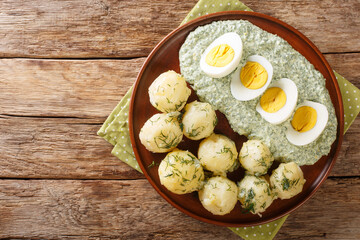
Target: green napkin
[(115, 129)]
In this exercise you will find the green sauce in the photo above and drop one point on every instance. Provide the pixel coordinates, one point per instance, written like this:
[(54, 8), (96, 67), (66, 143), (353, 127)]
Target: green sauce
[(242, 116)]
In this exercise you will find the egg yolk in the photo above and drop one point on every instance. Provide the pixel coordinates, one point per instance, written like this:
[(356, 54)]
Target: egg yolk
[(220, 55), (253, 75), (273, 100), (304, 119)]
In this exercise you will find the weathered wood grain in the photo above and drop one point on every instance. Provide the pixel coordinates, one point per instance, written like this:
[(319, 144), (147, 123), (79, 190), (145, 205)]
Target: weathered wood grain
[(56, 88), (346, 65), (320, 21), (110, 28), (57, 148), (92, 88), (111, 209), (347, 163), (78, 29), (70, 149)]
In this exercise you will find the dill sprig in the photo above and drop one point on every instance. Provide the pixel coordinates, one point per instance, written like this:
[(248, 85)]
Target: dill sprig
[(166, 141), (261, 162), (195, 131), (226, 150), (248, 203), (287, 183)]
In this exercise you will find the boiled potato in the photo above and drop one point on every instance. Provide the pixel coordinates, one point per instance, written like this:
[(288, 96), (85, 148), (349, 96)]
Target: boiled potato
[(255, 157), (162, 132), (169, 92), (217, 153), (199, 120), (219, 195), (181, 172), (287, 180), (254, 194)]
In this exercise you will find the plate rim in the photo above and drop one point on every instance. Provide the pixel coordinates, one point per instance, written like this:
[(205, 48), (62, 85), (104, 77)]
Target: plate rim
[(339, 137)]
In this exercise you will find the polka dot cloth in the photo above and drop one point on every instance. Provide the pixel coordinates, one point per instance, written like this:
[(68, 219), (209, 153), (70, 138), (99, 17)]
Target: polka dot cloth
[(204, 7), (115, 129), (351, 100), (261, 232)]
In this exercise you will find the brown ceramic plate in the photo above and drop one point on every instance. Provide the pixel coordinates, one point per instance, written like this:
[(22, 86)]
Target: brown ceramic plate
[(165, 56)]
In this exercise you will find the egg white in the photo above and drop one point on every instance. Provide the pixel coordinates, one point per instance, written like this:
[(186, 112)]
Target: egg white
[(234, 41), (304, 138), (242, 93), (290, 89)]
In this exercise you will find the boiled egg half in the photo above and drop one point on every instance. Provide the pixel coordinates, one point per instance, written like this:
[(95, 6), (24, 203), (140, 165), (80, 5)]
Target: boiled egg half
[(308, 122), (278, 102), (252, 79), (222, 56)]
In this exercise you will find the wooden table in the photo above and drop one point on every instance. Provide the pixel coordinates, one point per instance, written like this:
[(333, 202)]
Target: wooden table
[(65, 65)]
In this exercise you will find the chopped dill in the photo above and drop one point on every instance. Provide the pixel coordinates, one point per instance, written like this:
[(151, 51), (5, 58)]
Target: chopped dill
[(248, 203), (180, 105), (268, 191), (169, 175), (229, 187), (166, 141), (261, 162), (151, 164), (153, 121), (185, 179), (226, 150), (168, 100), (192, 157), (286, 183), (195, 131), (181, 126), (215, 122)]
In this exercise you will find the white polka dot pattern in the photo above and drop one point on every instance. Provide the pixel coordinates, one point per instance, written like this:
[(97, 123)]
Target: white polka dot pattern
[(350, 95)]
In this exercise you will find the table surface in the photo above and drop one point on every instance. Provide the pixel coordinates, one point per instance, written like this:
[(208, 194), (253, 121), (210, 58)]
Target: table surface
[(64, 65)]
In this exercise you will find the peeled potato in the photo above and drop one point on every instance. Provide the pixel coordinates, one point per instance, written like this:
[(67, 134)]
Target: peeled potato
[(199, 120), (217, 153), (287, 180), (254, 194), (181, 172), (255, 157), (219, 195), (169, 92), (161, 133)]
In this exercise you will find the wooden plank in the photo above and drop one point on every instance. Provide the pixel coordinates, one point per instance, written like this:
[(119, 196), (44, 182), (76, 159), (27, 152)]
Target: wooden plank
[(56, 88), (57, 148), (347, 163), (133, 210), (345, 64), (92, 88), (87, 29), (320, 21)]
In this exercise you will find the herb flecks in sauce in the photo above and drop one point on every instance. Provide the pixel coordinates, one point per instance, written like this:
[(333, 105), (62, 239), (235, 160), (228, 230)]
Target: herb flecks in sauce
[(287, 63)]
